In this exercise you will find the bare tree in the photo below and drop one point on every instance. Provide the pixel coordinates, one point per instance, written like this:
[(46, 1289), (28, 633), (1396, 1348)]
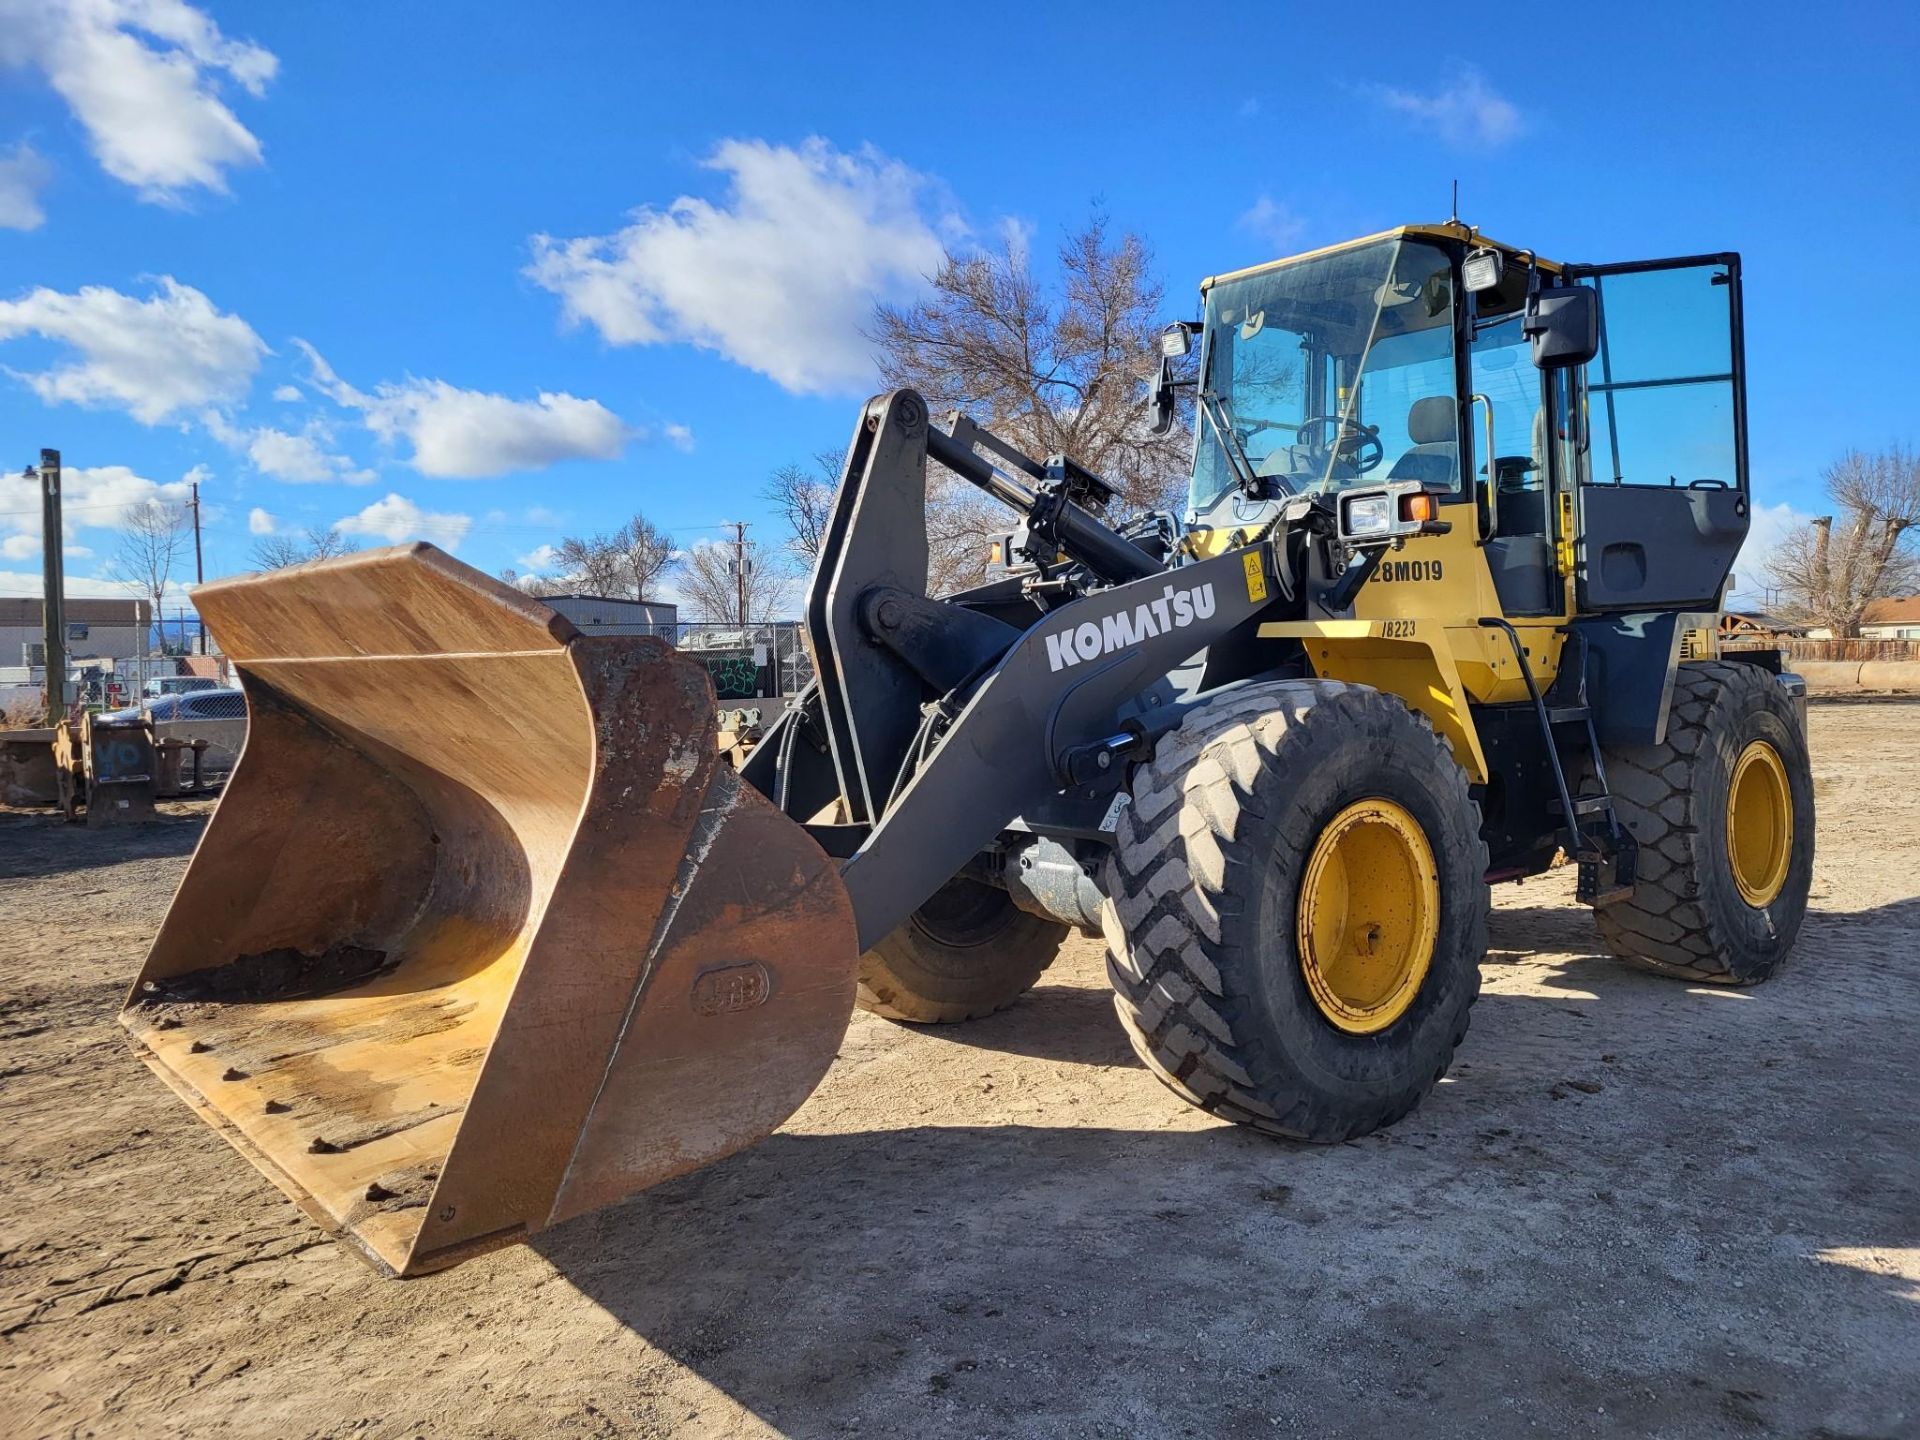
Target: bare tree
[(712, 587), (537, 586), (630, 563), (592, 563), (156, 534), (1056, 370), (1832, 569), (804, 497), (319, 542)]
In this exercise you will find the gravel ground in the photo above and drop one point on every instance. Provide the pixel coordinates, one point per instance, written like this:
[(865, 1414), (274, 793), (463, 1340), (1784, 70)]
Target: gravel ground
[(1635, 1207)]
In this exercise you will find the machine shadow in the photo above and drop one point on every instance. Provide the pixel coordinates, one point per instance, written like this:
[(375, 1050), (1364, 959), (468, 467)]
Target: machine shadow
[(824, 1281), (1071, 1024), (35, 843)]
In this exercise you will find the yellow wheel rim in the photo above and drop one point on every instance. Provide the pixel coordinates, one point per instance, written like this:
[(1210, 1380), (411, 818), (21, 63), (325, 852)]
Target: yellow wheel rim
[(1368, 913), (1760, 824)]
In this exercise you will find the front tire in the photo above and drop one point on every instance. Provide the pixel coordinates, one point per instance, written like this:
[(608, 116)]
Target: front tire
[(1297, 909), (966, 953), (1723, 812)]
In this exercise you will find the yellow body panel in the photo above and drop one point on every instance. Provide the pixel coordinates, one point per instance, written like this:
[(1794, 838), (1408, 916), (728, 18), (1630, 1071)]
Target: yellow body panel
[(1416, 633), (1409, 658), (1207, 543), (1444, 579), (1448, 231)]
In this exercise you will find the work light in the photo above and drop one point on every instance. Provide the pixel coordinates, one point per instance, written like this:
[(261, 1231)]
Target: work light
[(1482, 270)]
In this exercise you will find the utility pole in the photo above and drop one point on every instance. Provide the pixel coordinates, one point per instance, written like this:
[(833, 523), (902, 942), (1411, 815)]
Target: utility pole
[(54, 581), (200, 634), (740, 568)]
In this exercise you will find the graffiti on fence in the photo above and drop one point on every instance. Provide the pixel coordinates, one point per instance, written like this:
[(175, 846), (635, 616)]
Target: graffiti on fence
[(734, 674)]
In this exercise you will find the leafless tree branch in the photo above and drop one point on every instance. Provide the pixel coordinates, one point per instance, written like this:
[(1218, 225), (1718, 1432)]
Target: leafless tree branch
[(1833, 568), (1056, 370)]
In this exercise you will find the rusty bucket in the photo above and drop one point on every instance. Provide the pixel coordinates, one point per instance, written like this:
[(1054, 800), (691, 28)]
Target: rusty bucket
[(482, 934)]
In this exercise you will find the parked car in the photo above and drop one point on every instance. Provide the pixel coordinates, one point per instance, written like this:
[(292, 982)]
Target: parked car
[(176, 685), (212, 704)]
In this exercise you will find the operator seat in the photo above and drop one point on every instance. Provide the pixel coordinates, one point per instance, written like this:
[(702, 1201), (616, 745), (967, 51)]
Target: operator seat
[(1435, 456)]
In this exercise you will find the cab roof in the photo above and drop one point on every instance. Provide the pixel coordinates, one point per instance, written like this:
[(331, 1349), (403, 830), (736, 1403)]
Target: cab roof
[(1447, 230)]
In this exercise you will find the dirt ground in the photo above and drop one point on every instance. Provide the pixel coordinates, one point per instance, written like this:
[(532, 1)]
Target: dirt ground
[(1635, 1207)]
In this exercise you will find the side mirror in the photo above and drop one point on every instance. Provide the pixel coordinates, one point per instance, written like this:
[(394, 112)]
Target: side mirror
[(1160, 407), (1563, 322)]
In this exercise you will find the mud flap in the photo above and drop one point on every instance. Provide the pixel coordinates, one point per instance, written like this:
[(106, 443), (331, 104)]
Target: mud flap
[(483, 934)]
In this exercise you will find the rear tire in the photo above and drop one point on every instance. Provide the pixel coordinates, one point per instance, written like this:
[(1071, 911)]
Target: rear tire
[(1693, 912), (1233, 820), (966, 953)]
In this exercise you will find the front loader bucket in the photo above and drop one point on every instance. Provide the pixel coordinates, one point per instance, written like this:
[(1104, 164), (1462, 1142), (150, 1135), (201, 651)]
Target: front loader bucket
[(482, 934)]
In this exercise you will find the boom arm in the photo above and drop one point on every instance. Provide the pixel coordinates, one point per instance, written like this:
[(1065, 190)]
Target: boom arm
[(929, 775)]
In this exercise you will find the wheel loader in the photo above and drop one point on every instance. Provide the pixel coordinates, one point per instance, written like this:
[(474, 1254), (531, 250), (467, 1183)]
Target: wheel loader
[(485, 933)]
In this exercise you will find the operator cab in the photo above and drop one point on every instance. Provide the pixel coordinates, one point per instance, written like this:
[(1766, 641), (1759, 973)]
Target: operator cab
[(1584, 422)]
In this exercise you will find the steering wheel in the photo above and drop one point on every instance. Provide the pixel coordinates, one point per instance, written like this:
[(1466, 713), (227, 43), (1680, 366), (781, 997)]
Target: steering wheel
[(1358, 445)]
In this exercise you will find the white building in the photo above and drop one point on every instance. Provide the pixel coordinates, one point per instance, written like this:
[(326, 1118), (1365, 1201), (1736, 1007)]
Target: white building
[(96, 630), (1895, 618)]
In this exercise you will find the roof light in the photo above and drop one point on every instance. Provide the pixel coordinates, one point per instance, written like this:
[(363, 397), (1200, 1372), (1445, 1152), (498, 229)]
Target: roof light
[(1482, 270)]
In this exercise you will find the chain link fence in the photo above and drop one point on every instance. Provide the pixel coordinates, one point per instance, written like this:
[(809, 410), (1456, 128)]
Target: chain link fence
[(752, 662)]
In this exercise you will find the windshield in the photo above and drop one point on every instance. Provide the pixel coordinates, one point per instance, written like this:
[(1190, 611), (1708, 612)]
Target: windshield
[(1330, 372)]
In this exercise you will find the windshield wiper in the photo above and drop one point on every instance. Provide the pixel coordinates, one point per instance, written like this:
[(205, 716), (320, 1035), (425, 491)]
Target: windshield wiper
[(1253, 485)]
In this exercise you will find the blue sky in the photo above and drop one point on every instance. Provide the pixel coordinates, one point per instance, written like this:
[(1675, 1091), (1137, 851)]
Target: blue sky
[(296, 250)]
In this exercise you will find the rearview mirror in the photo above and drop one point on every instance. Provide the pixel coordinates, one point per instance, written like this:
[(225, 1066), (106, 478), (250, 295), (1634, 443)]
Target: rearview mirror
[(1563, 322), (1160, 403)]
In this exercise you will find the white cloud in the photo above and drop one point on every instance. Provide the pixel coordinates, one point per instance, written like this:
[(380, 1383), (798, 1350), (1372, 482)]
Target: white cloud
[(259, 522), (22, 174), (1273, 224), (27, 547), (679, 436), (303, 458), (78, 587), (288, 394), (780, 276), (92, 498), (143, 79), (470, 434), (150, 357), (1769, 525), (538, 560), (297, 458), (397, 518), (1017, 235), (1465, 112)]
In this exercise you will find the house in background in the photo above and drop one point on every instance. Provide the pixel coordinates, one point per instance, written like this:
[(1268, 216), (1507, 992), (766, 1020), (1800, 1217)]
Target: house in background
[(1896, 617)]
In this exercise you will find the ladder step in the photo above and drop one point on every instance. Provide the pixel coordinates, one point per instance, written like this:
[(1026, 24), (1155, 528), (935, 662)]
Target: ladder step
[(1600, 881), (1567, 714), (1590, 805)]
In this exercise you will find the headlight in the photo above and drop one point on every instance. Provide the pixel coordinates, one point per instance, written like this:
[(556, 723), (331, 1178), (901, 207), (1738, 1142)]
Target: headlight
[(1366, 516)]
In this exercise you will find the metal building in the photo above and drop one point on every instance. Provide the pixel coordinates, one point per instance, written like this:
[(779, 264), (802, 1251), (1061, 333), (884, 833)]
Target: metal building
[(609, 615)]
